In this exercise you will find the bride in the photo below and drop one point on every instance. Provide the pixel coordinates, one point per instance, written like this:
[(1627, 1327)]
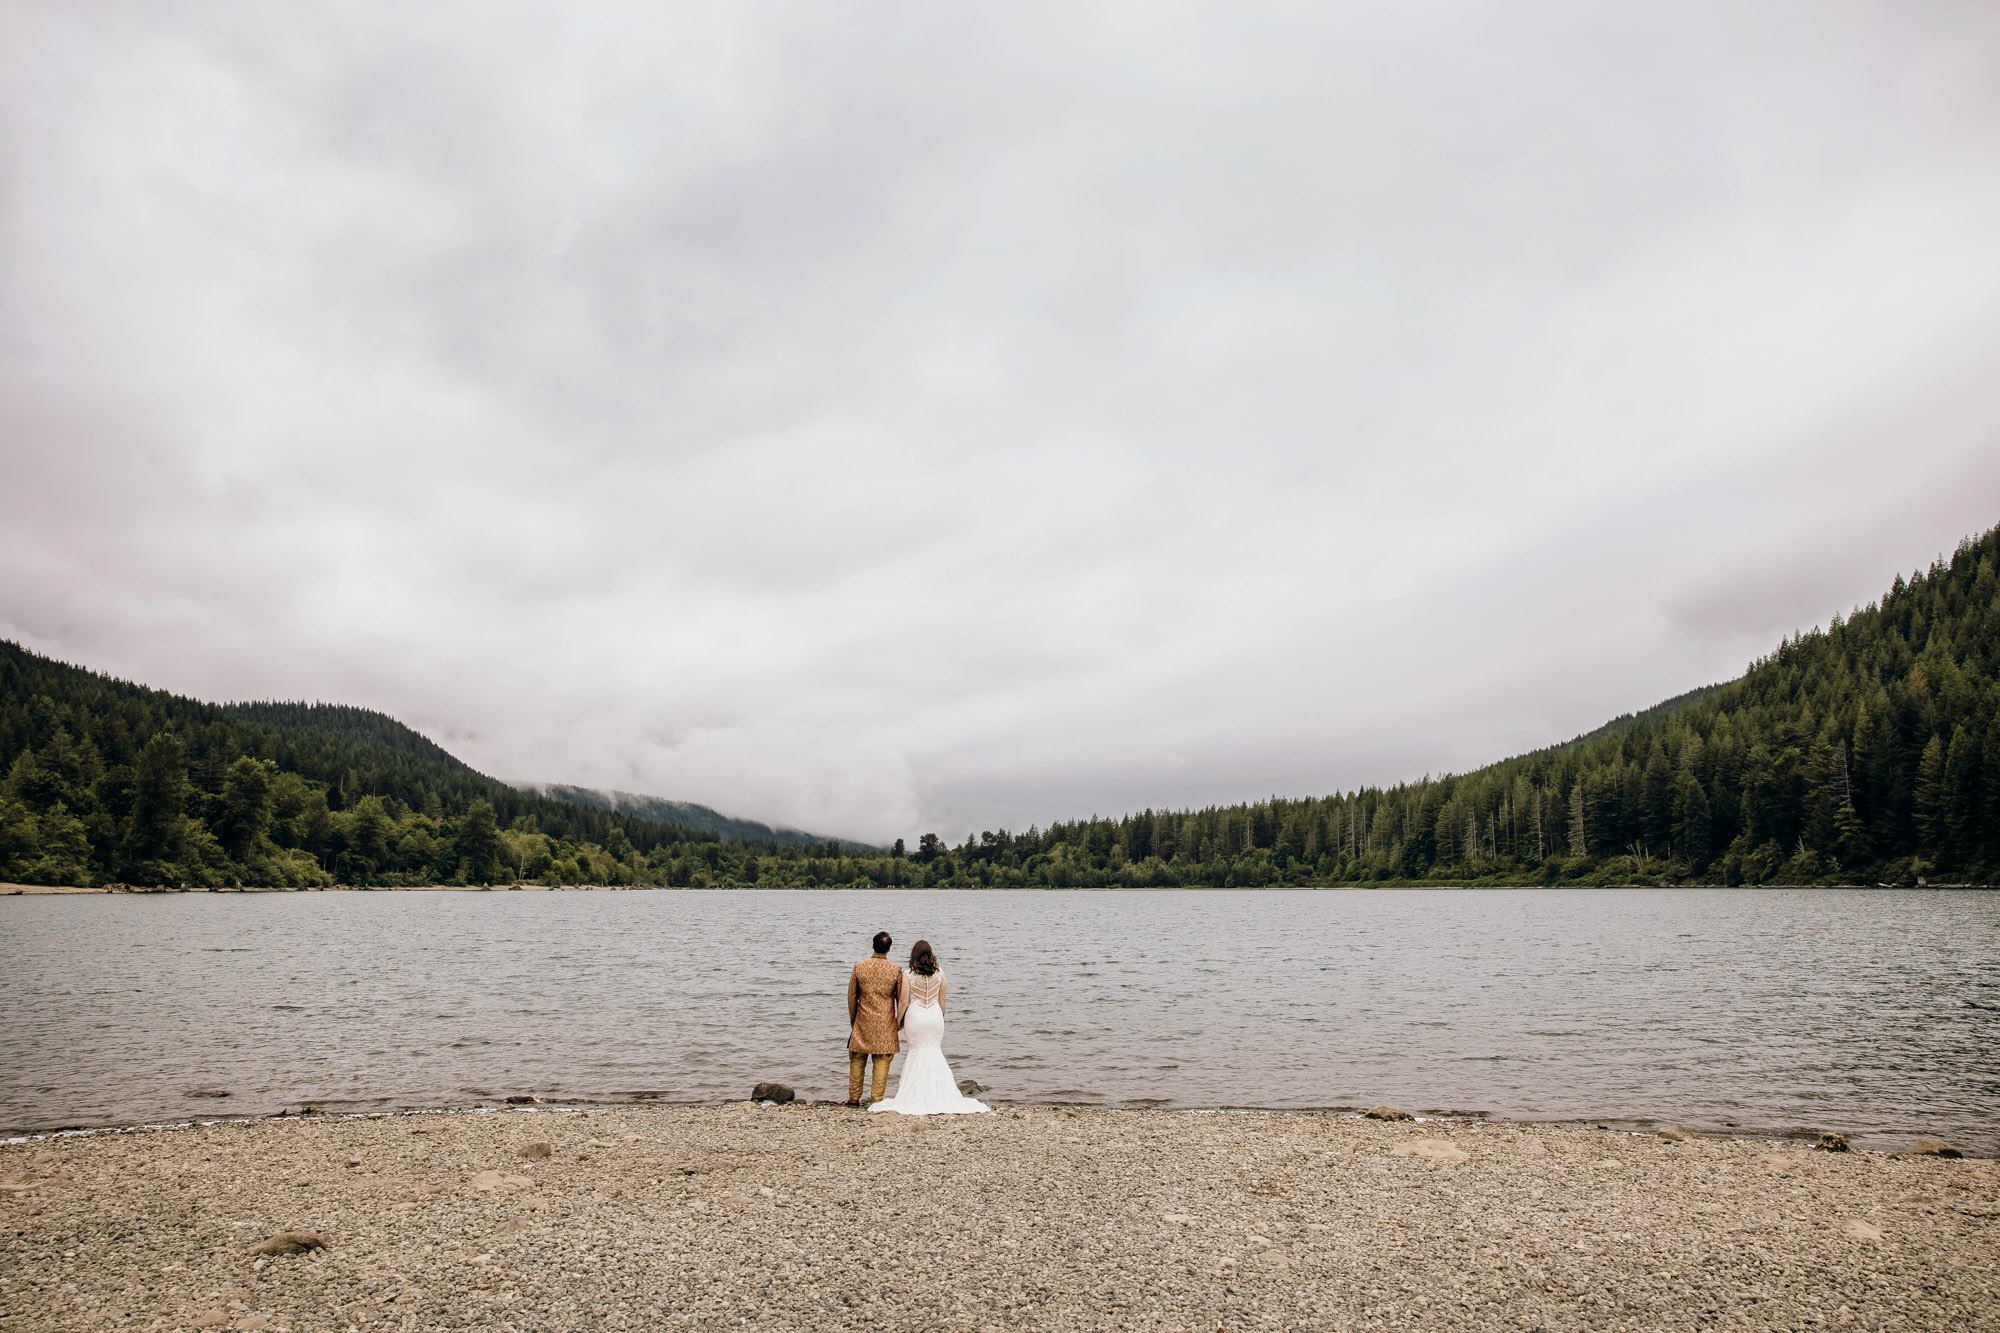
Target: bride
[(926, 1087)]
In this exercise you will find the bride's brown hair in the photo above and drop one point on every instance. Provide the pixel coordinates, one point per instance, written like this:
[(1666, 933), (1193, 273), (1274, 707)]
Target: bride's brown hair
[(922, 961)]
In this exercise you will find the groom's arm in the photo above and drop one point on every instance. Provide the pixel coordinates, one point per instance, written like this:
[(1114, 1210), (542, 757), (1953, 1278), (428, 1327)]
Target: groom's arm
[(853, 997)]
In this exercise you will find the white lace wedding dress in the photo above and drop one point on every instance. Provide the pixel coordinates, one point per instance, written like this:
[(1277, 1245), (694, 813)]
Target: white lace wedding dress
[(926, 1087)]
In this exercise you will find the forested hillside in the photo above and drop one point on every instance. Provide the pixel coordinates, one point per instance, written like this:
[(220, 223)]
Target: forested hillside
[(685, 814), (110, 781), (1865, 752)]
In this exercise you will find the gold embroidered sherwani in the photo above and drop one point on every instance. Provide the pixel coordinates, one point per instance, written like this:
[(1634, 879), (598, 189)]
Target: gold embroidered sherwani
[(873, 990)]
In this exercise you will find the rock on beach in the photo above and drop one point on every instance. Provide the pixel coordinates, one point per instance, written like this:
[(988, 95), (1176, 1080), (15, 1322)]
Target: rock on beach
[(1436, 1150), (1073, 1219)]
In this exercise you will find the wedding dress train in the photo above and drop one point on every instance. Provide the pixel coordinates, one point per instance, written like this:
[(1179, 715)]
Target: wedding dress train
[(926, 1087)]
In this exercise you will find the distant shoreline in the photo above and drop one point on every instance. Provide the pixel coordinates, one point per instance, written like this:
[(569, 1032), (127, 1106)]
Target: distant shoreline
[(37, 890)]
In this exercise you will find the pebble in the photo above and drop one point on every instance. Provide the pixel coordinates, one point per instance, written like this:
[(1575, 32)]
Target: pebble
[(703, 1217), (1435, 1149)]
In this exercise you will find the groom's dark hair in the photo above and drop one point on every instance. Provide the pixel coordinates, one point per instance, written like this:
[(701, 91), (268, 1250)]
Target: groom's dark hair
[(882, 941)]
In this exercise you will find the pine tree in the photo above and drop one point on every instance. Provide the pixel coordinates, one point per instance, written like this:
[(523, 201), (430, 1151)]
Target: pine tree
[(31, 783), (1693, 827), (1851, 843), (1988, 851), (1869, 746), (156, 833), (368, 830), (1823, 798), (1964, 810), (478, 843), (65, 850), (1932, 806), (19, 845), (1656, 792), (243, 816)]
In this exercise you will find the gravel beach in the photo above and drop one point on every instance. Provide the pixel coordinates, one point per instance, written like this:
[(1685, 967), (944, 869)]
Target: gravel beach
[(819, 1217)]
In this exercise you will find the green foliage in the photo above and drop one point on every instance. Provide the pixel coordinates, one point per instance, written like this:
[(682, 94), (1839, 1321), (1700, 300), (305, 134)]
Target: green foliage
[(156, 842), (109, 781), (1868, 751), (685, 814), (1865, 752), (479, 842)]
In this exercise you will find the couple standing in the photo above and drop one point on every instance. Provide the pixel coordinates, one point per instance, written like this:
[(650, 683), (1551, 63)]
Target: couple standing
[(883, 1002)]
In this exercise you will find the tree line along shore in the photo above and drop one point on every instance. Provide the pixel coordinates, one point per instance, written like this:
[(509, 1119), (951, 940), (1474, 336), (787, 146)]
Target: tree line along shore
[(1864, 752)]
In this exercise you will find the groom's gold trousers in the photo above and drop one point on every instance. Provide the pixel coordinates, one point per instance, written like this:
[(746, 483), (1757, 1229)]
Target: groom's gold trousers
[(856, 1059)]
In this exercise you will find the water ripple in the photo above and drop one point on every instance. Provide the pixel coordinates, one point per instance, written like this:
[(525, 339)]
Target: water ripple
[(1870, 1012)]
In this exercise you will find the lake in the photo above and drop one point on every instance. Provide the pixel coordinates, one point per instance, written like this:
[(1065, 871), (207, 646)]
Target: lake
[(1876, 1013)]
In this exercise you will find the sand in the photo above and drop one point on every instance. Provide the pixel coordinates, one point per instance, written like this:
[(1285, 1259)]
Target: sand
[(820, 1218)]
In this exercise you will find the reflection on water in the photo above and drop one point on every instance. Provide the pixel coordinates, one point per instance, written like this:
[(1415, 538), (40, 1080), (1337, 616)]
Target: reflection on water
[(1870, 1012)]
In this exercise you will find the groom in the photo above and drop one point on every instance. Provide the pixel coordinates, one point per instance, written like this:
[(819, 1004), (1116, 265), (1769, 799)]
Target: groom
[(873, 989)]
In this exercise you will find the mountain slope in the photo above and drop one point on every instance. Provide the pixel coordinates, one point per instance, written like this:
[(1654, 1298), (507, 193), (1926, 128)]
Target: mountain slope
[(684, 814), (105, 779), (1645, 717), (1866, 751)]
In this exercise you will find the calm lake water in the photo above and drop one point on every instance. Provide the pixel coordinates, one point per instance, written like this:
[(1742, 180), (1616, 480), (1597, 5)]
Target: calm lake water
[(1876, 1013)]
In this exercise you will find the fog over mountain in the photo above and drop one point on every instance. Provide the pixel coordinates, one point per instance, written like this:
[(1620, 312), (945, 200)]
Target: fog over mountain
[(883, 418)]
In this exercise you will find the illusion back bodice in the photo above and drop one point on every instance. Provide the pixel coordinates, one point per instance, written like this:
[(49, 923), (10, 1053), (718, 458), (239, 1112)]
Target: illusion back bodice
[(927, 1087)]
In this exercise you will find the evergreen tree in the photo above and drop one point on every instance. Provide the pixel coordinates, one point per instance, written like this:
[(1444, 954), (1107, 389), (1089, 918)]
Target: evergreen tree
[(1932, 803), (368, 831), (156, 834), (478, 843), (1693, 827), (1868, 750), (19, 845), (1964, 808), (65, 850), (32, 784), (1989, 786), (1823, 796), (243, 817)]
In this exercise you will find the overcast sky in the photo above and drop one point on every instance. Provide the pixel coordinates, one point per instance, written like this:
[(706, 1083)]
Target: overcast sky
[(888, 417)]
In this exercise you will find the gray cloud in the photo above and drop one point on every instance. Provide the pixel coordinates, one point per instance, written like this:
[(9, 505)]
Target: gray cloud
[(892, 419)]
